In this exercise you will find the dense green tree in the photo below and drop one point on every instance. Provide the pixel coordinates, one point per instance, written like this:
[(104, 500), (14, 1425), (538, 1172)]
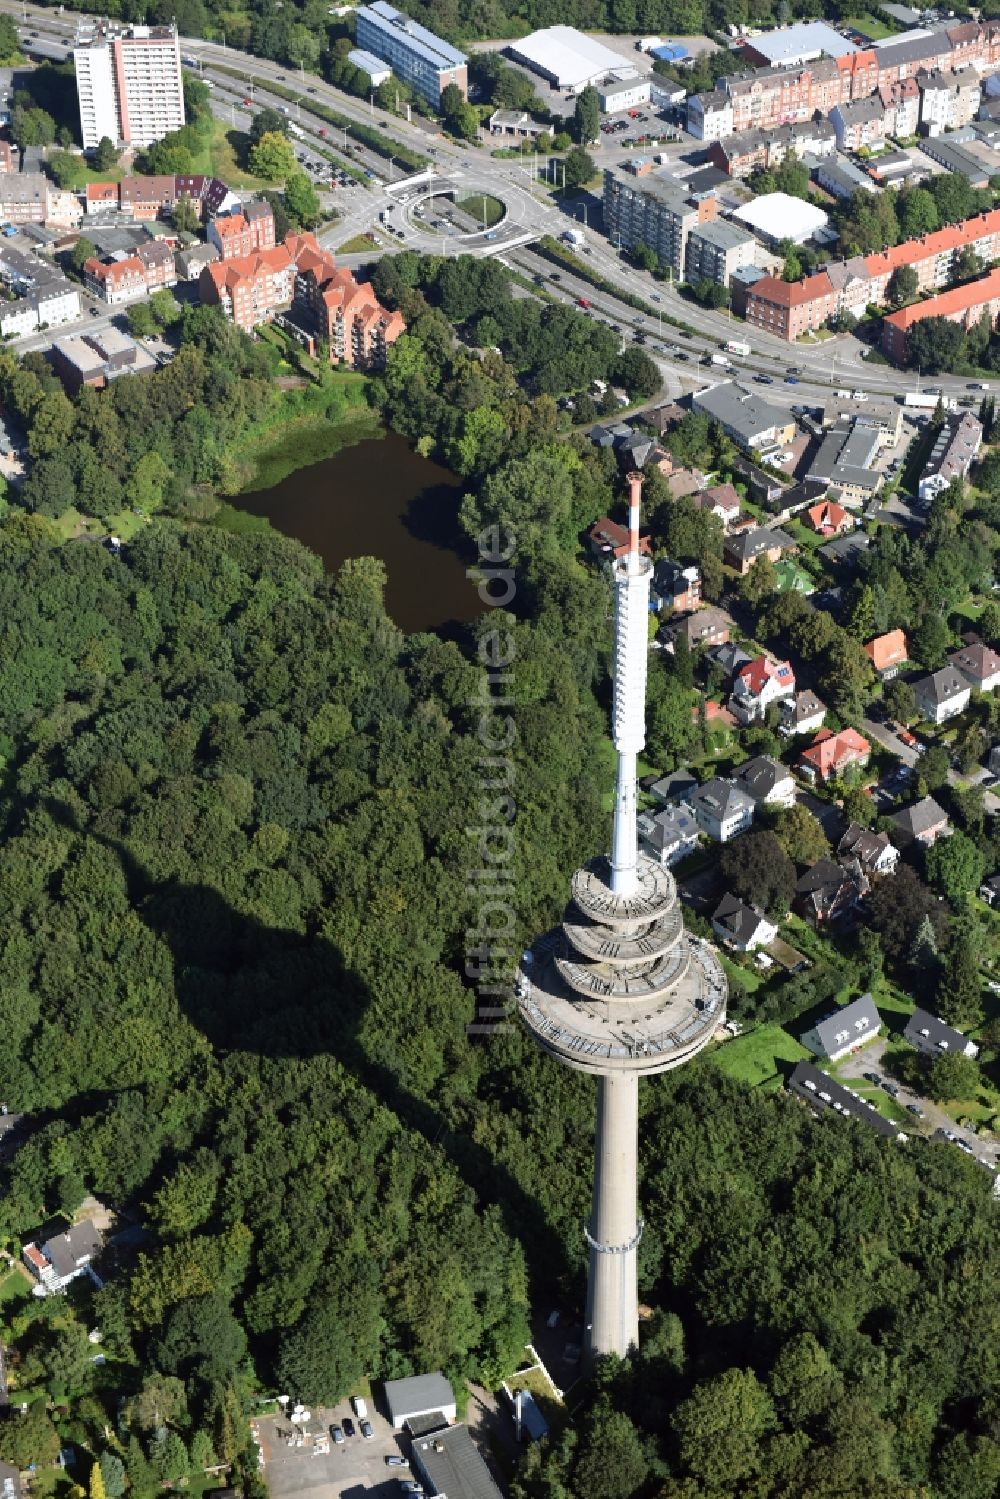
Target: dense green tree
[(960, 987), (580, 167), (105, 155), (267, 121), (272, 157), (933, 345), (301, 201), (953, 1076), (9, 40), (587, 117), (955, 866), (721, 1427), (29, 1438), (757, 868), (112, 1474)]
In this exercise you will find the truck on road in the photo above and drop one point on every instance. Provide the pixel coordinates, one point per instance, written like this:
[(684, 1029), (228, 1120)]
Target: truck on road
[(928, 400), (721, 359), (572, 237), (738, 346)]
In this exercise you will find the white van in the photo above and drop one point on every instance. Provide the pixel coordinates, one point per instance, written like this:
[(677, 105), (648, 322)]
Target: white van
[(359, 1407)]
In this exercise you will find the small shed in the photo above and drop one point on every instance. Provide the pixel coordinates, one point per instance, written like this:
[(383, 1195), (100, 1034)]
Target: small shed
[(421, 1395)]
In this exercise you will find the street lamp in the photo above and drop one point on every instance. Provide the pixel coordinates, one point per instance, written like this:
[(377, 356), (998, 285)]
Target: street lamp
[(583, 208)]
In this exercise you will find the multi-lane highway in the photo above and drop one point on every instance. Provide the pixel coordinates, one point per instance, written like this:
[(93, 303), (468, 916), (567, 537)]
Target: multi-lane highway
[(532, 211)]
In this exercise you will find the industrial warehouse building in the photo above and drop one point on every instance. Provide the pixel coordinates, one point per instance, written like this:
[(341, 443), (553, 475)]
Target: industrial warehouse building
[(568, 59)]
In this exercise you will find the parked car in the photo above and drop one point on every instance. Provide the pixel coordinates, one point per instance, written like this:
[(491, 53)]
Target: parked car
[(337, 1432), (873, 1077), (395, 1461), (366, 1430), (891, 1089), (348, 1427), (915, 1109)]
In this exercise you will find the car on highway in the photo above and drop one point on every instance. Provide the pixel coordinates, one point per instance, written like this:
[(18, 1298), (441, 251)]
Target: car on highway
[(791, 379), (582, 302), (764, 379), (311, 91), (684, 358), (246, 104)]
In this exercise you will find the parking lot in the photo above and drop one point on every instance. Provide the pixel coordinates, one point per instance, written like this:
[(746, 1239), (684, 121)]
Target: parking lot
[(356, 1468)]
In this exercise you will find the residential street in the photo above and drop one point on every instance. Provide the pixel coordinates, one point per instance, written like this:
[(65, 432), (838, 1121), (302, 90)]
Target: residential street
[(869, 1059)]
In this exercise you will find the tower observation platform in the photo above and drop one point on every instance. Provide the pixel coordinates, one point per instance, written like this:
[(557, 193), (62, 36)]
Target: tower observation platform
[(620, 989)]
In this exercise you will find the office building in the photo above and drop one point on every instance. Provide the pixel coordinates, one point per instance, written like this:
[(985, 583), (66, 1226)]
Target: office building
[(129, 86), (414, 54)]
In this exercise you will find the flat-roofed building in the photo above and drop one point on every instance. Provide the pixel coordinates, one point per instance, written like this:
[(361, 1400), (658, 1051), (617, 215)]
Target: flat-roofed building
[(378, 71), (129, 85), (656, 211), (716, 249)]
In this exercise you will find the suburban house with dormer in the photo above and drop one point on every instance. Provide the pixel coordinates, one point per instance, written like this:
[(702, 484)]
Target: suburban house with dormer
[(942, 695), (722, 809), (838, 1034)]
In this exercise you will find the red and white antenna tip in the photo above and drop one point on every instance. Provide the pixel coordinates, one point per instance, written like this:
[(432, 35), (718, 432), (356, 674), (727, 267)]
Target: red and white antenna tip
[(634, 501)]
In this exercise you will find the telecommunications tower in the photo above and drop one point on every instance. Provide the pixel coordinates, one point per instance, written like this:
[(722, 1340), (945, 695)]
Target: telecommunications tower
[(620, 989)]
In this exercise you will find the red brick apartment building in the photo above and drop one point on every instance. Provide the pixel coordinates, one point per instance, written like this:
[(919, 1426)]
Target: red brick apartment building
[(325, 300), (962, 304), (790, 308), (237, 235)]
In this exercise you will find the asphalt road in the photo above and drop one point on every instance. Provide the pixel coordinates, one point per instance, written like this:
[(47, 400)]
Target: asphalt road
[(869, 1059), (832, 363)]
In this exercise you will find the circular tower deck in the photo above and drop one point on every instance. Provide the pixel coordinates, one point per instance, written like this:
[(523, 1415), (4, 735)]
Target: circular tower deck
[(620, 986)]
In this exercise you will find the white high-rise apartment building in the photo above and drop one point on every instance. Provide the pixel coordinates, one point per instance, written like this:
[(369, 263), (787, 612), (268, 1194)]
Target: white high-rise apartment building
[(129, 85)]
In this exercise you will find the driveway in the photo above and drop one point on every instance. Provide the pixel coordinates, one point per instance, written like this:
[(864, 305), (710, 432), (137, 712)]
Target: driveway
[(869, 1059), (890, 741)]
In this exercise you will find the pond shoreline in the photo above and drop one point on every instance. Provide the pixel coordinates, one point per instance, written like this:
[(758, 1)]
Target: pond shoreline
[(368, 493)]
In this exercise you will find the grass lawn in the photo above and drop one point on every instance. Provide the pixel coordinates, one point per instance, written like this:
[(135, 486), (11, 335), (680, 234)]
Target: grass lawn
[(221, 157), (91, 174), (877, 30), (480, 206), (14, 1286), (361, 244), (754, 1058)]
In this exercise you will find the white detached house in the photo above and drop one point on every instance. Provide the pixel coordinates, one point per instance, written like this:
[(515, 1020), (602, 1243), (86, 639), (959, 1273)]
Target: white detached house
[(942, 695)]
